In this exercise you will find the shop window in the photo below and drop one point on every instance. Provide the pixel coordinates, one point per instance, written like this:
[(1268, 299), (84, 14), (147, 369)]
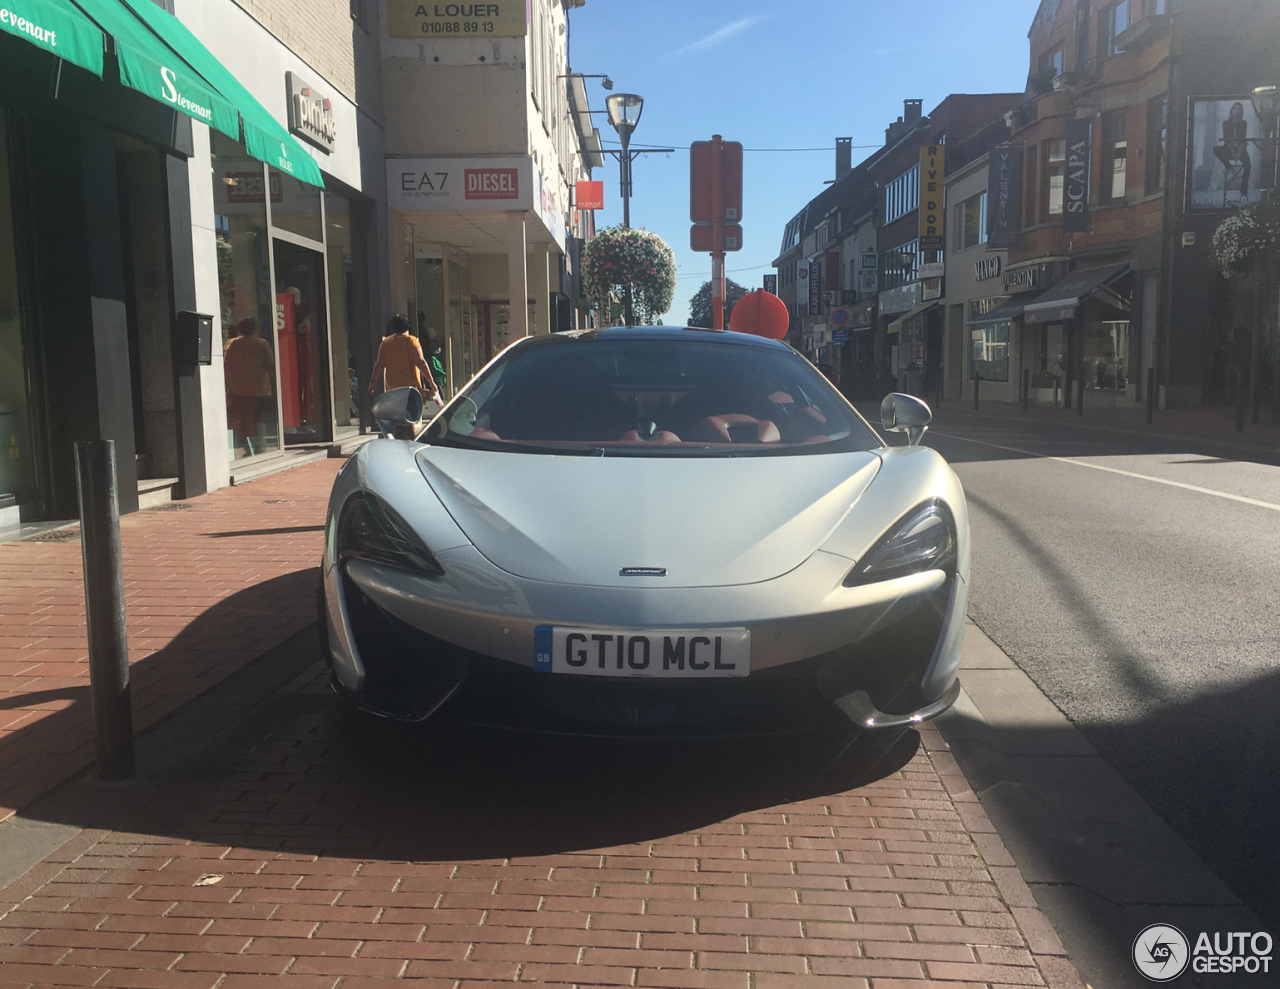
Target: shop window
[(1157, 143), (298, 208), (240, 190), (1115, 151), (17, 469), (346, 383), (989, 357), (1057, 169)]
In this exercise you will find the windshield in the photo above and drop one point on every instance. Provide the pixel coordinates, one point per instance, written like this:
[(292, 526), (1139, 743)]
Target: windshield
[(652, 397)]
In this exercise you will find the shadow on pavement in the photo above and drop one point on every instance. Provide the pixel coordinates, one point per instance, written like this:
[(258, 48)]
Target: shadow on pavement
[(45, 750)]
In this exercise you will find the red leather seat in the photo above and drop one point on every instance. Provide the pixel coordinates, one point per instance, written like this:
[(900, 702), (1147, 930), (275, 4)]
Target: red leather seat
[(715, 429)]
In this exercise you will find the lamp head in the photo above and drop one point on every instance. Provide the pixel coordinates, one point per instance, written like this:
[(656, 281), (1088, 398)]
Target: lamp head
[(1266, 101), (624, 112), (606, 82)]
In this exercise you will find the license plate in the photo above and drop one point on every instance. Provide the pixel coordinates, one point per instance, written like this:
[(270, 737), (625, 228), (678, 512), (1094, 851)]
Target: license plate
[(611, 652)]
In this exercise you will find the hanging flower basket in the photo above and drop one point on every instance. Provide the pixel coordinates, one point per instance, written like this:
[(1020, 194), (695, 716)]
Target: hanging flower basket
[(616, 257), (1244, 237)]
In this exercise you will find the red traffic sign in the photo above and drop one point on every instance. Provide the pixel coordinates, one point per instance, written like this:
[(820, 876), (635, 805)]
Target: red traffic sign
[(700, 188), (701, 240), (840, 317), (588, 195), (761, 314)]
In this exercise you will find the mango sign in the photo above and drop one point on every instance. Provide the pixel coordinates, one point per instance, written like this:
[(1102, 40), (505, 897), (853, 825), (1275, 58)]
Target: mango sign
[(760, 314)]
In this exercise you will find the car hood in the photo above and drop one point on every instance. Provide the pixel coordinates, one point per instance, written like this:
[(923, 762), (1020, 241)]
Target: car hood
[(707, 521)]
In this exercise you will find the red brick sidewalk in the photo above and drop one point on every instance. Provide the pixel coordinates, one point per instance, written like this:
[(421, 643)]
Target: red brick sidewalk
[(320, 849), (209, 587)]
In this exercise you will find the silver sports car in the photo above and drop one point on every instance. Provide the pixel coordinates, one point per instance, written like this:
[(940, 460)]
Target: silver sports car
[(647, 531)]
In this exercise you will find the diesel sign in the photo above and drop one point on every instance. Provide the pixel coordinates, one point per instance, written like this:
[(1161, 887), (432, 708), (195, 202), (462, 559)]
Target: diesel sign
[(310, 114)]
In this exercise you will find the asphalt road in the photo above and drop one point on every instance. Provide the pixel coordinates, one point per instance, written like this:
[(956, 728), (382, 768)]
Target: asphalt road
[(1136, 581)]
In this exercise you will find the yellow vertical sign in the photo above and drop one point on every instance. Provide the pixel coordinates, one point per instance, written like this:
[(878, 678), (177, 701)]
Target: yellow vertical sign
[(932, 211)]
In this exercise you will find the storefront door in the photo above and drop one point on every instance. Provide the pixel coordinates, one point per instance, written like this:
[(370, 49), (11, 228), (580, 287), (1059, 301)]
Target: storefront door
[(17, 464), (302, 342)]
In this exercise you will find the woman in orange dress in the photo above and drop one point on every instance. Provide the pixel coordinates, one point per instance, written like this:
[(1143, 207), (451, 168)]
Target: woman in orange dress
[(400, 357)]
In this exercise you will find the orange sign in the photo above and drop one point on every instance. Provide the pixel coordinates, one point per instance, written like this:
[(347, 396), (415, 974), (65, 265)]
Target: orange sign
[(589, 195)]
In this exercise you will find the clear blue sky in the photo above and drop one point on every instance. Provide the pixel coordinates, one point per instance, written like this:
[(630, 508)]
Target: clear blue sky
[(775, 75)]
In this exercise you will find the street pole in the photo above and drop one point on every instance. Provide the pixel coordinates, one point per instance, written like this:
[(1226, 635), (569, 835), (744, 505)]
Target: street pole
[(717, 236), (624, 165), (109, 693)]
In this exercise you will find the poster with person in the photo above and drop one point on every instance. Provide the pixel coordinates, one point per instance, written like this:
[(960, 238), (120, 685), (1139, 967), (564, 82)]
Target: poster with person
[(1226, 153)]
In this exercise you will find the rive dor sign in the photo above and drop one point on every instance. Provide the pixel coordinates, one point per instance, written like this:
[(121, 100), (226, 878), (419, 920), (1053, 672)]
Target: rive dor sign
[(932, 213), (494, 19)]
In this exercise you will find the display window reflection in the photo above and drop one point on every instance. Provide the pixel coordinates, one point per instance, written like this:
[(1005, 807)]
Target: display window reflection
[(300, 317), (346, 383), (240, 191), (298, 208), (16, 461)]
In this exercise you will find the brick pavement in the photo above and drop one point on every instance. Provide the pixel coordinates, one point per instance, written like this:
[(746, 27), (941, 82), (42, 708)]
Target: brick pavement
[(209, 587), (313, 847)]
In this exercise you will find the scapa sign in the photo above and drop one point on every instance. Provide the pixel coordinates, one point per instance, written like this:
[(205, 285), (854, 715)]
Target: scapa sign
[(1075, 193), (310, 114)]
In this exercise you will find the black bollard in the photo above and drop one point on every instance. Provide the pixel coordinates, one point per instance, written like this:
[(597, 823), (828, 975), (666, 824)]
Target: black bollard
[(1080, 394), (104, 608), (1026, 387), (1151, 394), (1242, 401), (976, 379)]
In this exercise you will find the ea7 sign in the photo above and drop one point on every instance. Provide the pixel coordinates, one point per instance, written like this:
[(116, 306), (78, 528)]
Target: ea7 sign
[(1075, 192), (932, 212)]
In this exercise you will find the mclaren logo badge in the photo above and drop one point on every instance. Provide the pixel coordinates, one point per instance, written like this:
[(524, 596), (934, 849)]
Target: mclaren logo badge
[(642, 572)]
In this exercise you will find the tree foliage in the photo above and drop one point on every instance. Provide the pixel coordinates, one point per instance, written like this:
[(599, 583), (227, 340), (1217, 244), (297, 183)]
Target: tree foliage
[(617, 257), (700, 304)]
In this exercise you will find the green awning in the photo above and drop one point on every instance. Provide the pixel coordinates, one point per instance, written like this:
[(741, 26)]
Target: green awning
[(264, 137), (57, 27), (155, 70)]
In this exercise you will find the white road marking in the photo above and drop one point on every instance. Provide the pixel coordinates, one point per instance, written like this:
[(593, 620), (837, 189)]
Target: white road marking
[(1116, 470)]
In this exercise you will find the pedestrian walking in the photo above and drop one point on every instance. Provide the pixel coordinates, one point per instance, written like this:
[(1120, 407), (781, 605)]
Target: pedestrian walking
[(400, 358), (438, 374)]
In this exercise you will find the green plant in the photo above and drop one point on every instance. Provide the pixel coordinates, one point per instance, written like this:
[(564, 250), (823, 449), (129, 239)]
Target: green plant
[(618, 257), (700, 304), (1245, 237)]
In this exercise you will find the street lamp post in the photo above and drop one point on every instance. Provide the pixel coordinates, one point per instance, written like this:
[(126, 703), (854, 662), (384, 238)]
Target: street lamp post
[(624, 114), (1266, 104)]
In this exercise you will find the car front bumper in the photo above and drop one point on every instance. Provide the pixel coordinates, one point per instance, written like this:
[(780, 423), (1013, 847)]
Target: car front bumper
[(877, 656)]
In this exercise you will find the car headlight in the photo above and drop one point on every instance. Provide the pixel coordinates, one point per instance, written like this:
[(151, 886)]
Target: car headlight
[(370, 529), (924, 539)]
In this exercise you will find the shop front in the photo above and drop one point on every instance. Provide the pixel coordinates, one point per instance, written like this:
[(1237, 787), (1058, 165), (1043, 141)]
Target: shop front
[(1084, 325), (476, 234), (100, 330)]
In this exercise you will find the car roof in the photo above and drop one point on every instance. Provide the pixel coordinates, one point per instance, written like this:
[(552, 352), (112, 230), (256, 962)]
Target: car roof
[(661, 333)]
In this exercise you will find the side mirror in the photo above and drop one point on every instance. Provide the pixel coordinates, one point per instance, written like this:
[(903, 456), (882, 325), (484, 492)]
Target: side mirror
[(901, 413), (396, 409)]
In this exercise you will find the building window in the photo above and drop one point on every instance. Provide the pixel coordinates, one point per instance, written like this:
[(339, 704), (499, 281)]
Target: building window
[(989, 357), (1152, 8), (1057, 172), (972, 221), (902, 195), (1157, 143), (1051, 63), (1119, 17), (1115, 151), (1031, 192)]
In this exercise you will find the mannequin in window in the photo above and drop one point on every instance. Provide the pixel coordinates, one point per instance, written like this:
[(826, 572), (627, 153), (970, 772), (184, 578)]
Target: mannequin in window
[(1235, 148)]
